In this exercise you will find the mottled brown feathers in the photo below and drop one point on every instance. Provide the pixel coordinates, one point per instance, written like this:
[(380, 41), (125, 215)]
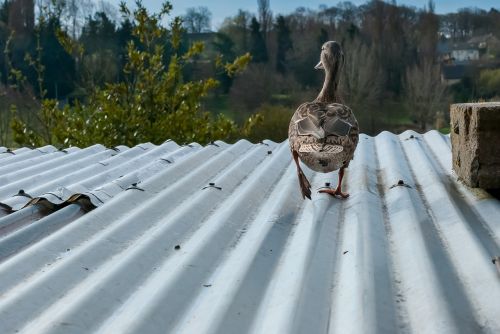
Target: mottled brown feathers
[(325, 158)]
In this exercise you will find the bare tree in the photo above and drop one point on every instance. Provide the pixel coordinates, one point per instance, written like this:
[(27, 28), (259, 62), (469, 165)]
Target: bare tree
[(265, 17), (328, 15), (73, 13), (362, 82), (51, 8), (425, 93), (303, 20), (428, 27), (109, 9), (76, 14), (73, 9), (197, 19)]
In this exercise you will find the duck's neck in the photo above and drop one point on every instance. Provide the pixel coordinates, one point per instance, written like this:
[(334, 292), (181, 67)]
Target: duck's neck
[(329, 93)]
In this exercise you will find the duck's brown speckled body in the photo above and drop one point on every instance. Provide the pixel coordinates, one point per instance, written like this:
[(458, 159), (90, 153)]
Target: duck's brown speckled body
[(324, 133), (331, 151)]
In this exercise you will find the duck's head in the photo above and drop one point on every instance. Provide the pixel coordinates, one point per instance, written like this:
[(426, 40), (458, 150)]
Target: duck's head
[(332, 57)]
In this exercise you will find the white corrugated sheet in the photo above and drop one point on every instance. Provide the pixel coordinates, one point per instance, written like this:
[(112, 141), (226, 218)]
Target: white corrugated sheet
[(217, 239)]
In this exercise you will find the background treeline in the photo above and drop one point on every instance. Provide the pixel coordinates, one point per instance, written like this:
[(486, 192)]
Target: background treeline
[(71, 52), (392, 78)]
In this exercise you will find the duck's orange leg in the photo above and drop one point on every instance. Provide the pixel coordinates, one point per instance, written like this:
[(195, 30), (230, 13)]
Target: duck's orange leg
[(305, 186), (337, 192)]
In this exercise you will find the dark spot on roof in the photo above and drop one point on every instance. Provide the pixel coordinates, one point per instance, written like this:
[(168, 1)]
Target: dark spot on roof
[(400, 183)]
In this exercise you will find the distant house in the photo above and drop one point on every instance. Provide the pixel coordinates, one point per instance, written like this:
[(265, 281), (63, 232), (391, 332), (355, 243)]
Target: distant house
[(487, 44), (464, 53), (483, 48), (463, 59), (452, 53)]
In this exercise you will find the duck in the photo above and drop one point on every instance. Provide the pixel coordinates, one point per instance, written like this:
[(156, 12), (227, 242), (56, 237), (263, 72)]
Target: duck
[(323, 134)]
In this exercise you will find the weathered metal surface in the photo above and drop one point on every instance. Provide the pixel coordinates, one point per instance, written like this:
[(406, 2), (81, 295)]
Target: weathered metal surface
[(217, 239)]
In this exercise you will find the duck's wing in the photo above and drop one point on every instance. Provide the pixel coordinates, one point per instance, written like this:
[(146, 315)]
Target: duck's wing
[(336, 126), (309, 120), (342, 123), (340, 120), (321, 120), (307, 126)]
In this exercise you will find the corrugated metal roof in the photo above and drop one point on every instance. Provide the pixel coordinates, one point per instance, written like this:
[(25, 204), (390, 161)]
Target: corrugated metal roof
[(217, 239)]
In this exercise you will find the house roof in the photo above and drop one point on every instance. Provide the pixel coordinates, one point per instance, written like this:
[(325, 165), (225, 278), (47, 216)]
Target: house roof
[(217, 239), (483, 39)]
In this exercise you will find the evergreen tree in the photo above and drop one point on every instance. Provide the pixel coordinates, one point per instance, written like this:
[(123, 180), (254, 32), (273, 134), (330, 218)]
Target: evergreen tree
[(257, 44), (284, 44), (99, 33), (59, 66)]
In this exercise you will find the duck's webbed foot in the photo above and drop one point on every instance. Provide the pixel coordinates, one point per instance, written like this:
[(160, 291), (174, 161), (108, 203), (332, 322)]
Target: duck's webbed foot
[(337, 192), (305, 186)]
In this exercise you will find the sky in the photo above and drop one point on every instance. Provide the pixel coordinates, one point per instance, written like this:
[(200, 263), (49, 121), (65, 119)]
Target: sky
[(221, 9)]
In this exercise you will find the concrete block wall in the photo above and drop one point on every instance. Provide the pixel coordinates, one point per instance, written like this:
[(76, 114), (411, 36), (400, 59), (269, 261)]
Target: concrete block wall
[(475, 141)]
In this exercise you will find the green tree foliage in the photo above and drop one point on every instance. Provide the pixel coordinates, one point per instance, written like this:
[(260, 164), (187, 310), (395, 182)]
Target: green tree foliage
[(489, 84), (153, 102)]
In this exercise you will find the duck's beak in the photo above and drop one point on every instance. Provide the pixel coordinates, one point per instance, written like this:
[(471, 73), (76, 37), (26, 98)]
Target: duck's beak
[(319, 66)]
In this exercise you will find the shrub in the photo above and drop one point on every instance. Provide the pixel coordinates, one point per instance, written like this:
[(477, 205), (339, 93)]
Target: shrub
[(153, 102)]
